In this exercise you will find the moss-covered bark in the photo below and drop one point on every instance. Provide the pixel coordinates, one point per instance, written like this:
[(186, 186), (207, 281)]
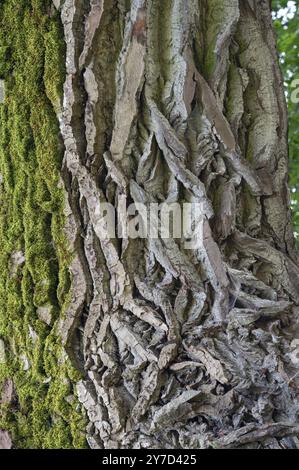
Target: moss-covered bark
[(34, 256)]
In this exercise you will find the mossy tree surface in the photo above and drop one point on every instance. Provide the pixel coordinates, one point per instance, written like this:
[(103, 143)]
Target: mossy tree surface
[(32, 224)]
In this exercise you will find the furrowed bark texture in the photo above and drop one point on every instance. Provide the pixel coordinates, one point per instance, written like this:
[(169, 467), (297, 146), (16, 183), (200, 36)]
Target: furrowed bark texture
[(181, 102)]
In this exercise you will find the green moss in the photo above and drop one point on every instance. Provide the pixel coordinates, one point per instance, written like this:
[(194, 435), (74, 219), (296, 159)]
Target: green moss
[(32, 220)]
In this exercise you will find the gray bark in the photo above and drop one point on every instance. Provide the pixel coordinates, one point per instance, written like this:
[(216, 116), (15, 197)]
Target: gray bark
[(180, 101)]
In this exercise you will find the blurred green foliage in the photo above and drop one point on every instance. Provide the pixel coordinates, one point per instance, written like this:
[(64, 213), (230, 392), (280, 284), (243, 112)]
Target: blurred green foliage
[(286, 20)]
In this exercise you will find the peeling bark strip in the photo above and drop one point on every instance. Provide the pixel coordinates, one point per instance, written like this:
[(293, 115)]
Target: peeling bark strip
[(180, 101)]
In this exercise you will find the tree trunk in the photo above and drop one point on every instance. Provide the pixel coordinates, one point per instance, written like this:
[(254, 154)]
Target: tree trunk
[(180, 101)]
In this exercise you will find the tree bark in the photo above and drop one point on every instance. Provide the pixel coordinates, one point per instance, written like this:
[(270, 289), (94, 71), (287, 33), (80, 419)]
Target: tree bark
[(181, 102)]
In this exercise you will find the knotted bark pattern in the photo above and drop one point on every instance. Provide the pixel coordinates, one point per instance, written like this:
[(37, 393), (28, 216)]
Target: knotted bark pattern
[(179, 101)]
